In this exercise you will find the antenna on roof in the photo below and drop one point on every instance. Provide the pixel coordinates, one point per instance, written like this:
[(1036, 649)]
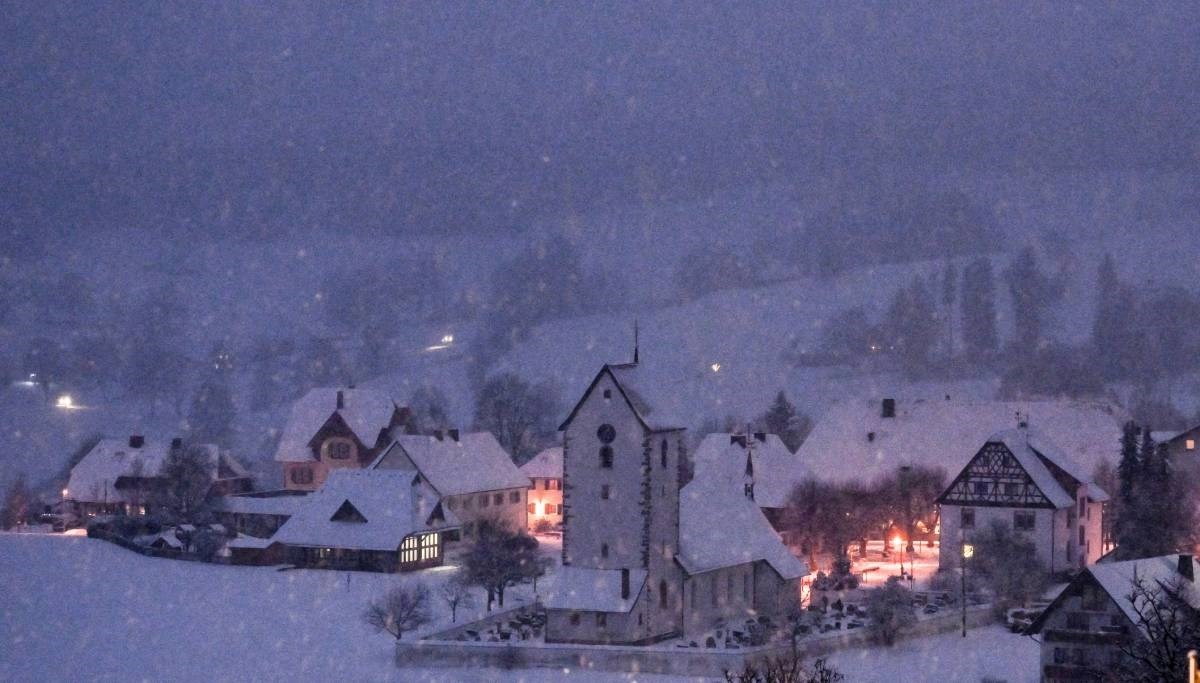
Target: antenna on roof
[(635, 341)]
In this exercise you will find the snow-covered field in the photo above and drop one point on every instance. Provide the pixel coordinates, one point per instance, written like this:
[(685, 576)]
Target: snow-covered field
[(74, 608)]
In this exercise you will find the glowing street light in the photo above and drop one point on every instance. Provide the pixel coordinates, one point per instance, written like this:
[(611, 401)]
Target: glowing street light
[(65, 402), (447, 339), (715, 367)]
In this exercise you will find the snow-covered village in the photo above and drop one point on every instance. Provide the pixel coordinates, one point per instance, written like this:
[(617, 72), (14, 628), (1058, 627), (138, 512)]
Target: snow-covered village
[(631, 341)]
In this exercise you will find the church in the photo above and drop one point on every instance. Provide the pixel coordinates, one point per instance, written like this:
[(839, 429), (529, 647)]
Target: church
[(647, 555)]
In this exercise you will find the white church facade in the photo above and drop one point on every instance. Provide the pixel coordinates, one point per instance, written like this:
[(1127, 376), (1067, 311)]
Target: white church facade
[(646, 555)]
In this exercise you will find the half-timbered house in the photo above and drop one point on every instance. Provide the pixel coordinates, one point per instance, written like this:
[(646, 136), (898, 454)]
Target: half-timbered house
[(1021, 479)]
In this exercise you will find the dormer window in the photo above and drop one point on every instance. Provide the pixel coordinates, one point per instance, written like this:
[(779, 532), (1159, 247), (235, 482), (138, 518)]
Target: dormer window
[(339, 449), (348, 513)]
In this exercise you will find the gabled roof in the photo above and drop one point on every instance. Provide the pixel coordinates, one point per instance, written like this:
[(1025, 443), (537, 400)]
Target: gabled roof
[(720, 527), (392, 506), (653, 403), (545, 465), (593, 590), (853, 441), (775, 469), (1116, 579), (472, 463), (366, 413), (94, 478)]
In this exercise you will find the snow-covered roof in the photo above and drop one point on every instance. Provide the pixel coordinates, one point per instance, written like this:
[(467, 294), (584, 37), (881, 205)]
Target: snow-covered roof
[(774, 471), (545, 465), (259, 505), (94, 478), (853, 441), (473, 462), (253, 542), (593, 590), (720, 527), (1116, 578), (656, 401), (168, 539), (393, 508), (367, 413)]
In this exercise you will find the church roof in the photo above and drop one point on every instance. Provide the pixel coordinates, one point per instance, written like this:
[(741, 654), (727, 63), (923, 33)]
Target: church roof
[(720, 527), (775, 470), (593, 590), (655, 402)]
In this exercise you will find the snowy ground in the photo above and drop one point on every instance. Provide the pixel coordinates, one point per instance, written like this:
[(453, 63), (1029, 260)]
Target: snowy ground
[(81, 609)]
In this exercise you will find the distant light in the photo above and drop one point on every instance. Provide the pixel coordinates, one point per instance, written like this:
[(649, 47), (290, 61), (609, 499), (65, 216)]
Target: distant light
[(437, 347), (447, 339), (33, 377), (715, 367), (65, 401), (968, 551), (898, 542), (65, 492)]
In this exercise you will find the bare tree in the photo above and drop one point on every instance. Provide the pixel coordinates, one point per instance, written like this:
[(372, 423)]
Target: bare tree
[(785, 669), (1166, 627), (456, 593), (404, 609), (501, 557), (187, 474)]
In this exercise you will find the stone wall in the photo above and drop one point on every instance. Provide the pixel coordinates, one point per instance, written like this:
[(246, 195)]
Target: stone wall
[(658, 659)]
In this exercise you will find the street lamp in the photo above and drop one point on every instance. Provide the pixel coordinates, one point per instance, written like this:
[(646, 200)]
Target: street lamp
[(968, 551)]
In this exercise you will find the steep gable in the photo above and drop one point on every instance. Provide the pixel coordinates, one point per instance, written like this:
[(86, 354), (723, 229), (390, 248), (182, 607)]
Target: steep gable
[(994, 477)]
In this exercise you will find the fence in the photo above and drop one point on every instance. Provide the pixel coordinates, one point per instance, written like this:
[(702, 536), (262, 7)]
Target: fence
[(656, 659)]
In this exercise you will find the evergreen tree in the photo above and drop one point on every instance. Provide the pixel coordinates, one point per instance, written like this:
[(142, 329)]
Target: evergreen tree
[(949, 298), (782, 419), (978, 302), (210, 419), (1032, 292), (1128, 469)]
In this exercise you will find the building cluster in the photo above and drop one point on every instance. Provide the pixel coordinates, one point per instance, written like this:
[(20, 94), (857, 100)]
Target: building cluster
[(658, 542)]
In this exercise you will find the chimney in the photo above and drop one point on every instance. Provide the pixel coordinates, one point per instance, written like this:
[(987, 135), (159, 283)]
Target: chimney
[(341, 400), (760, 436), (137, 441), (176, 443), (453, 434), (870, 437), (624, 584), (438, 434), (889, 407), (1185, 567)]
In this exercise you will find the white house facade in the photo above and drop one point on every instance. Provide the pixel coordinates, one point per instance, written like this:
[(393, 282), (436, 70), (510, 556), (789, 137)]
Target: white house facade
[(1022, 480)]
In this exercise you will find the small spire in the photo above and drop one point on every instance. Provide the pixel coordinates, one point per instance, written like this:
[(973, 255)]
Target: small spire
[(635, 341)]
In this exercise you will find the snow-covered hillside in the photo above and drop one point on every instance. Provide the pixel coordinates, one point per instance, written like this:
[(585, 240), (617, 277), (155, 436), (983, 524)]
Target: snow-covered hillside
[(240, 291)]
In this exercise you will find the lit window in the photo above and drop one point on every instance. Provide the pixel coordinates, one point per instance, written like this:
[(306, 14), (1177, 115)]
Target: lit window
[(533, 508), (1190, 444)]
